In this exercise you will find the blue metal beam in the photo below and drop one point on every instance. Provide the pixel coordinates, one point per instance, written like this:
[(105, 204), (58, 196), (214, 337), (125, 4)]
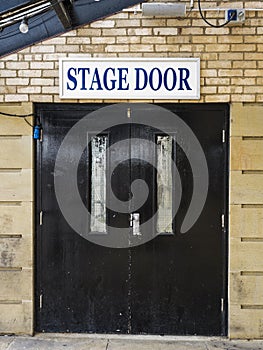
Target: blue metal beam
[(46, 25)]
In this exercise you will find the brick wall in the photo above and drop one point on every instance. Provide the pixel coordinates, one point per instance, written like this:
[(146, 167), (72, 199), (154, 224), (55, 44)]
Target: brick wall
[(231, 71), (231, 57)]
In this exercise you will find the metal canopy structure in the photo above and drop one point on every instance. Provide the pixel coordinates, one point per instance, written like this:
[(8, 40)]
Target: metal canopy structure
[(50, 18)]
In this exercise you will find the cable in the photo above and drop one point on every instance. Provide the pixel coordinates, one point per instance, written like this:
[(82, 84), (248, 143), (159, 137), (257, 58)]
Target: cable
[(24, 116), (207, 22), (37, 128), (28, 122), (17, 115)]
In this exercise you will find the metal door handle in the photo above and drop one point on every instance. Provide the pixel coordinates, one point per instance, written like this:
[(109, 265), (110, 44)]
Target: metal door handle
[(135, 224)]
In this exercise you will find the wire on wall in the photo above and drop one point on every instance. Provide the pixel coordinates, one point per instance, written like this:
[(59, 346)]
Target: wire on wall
[(37, 128), (211, 24), (24, 116)]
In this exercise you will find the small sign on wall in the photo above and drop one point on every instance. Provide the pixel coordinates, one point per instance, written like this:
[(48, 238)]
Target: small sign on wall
[(143, 78)]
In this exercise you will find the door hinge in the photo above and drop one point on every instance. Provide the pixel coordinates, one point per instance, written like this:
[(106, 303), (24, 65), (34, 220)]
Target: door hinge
[(223, 220), (222, 304), (40, 301), (41, 218), (223, 136)]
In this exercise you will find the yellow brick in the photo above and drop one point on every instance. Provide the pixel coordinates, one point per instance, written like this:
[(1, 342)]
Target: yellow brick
[(165, 31), (29, 90), (91, 48), (243, 98), (41, 98), (192, 48), (41, 65), (78, 40), (209, 73), (243, 81), (141, 48), (154, 22), (103, 24), (217, 48), (244, 64), (209, 56), (103, 40), (8, 73), (217, 81), (88, 32), (229, 56), (259, 98), (8, 89), (127, 23), (152, 40), (253, 89), (113, 32), (230, 89), (211, 39), (243, 47), (17, 81), (41, 81), (58, 40), (230, 72), (219, 64), (174, 22), (217, 98), (16, 98), (252, 39), (120, 15), (208, 90), (179, 39), (253, 72), (253, 56), (192, 31), (166, 48), (42, 48), (31, 73), (140, 31), (243, 30), (17, 65), (67, 48), (231, 39), (12, 57), (117, 48), (217, 31)]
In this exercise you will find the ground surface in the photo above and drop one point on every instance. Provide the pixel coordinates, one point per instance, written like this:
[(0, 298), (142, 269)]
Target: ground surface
[(97, 342)]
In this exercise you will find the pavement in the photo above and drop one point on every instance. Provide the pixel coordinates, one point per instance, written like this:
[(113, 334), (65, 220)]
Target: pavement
[(122, 342)]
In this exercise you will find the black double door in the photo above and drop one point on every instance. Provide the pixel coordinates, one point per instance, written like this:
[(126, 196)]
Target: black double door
[(172, 284)]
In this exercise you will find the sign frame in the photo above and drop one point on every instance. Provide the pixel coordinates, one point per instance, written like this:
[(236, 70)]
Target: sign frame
[(170, 64)]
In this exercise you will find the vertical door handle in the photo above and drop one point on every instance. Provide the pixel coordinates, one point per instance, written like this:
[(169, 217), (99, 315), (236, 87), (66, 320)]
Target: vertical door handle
[(131, 220), (135, 224)]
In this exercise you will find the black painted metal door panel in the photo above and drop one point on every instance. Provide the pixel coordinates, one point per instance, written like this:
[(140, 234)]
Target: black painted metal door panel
[(173, 284)]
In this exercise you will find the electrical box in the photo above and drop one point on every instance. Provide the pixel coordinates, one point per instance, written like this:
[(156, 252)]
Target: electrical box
[(235, 16)]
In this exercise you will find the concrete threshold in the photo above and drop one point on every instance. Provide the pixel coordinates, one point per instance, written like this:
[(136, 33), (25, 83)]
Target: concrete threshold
[(69, 341), (147, 337)]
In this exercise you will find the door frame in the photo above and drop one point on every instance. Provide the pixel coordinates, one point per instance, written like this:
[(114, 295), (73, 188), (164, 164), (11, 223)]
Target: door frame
[(39, 108)]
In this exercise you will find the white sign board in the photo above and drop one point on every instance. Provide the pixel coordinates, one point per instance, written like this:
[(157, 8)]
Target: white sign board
[(101, 78)]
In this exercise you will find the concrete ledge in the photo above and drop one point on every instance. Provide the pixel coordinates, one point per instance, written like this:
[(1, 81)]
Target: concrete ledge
[(122, 342)]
